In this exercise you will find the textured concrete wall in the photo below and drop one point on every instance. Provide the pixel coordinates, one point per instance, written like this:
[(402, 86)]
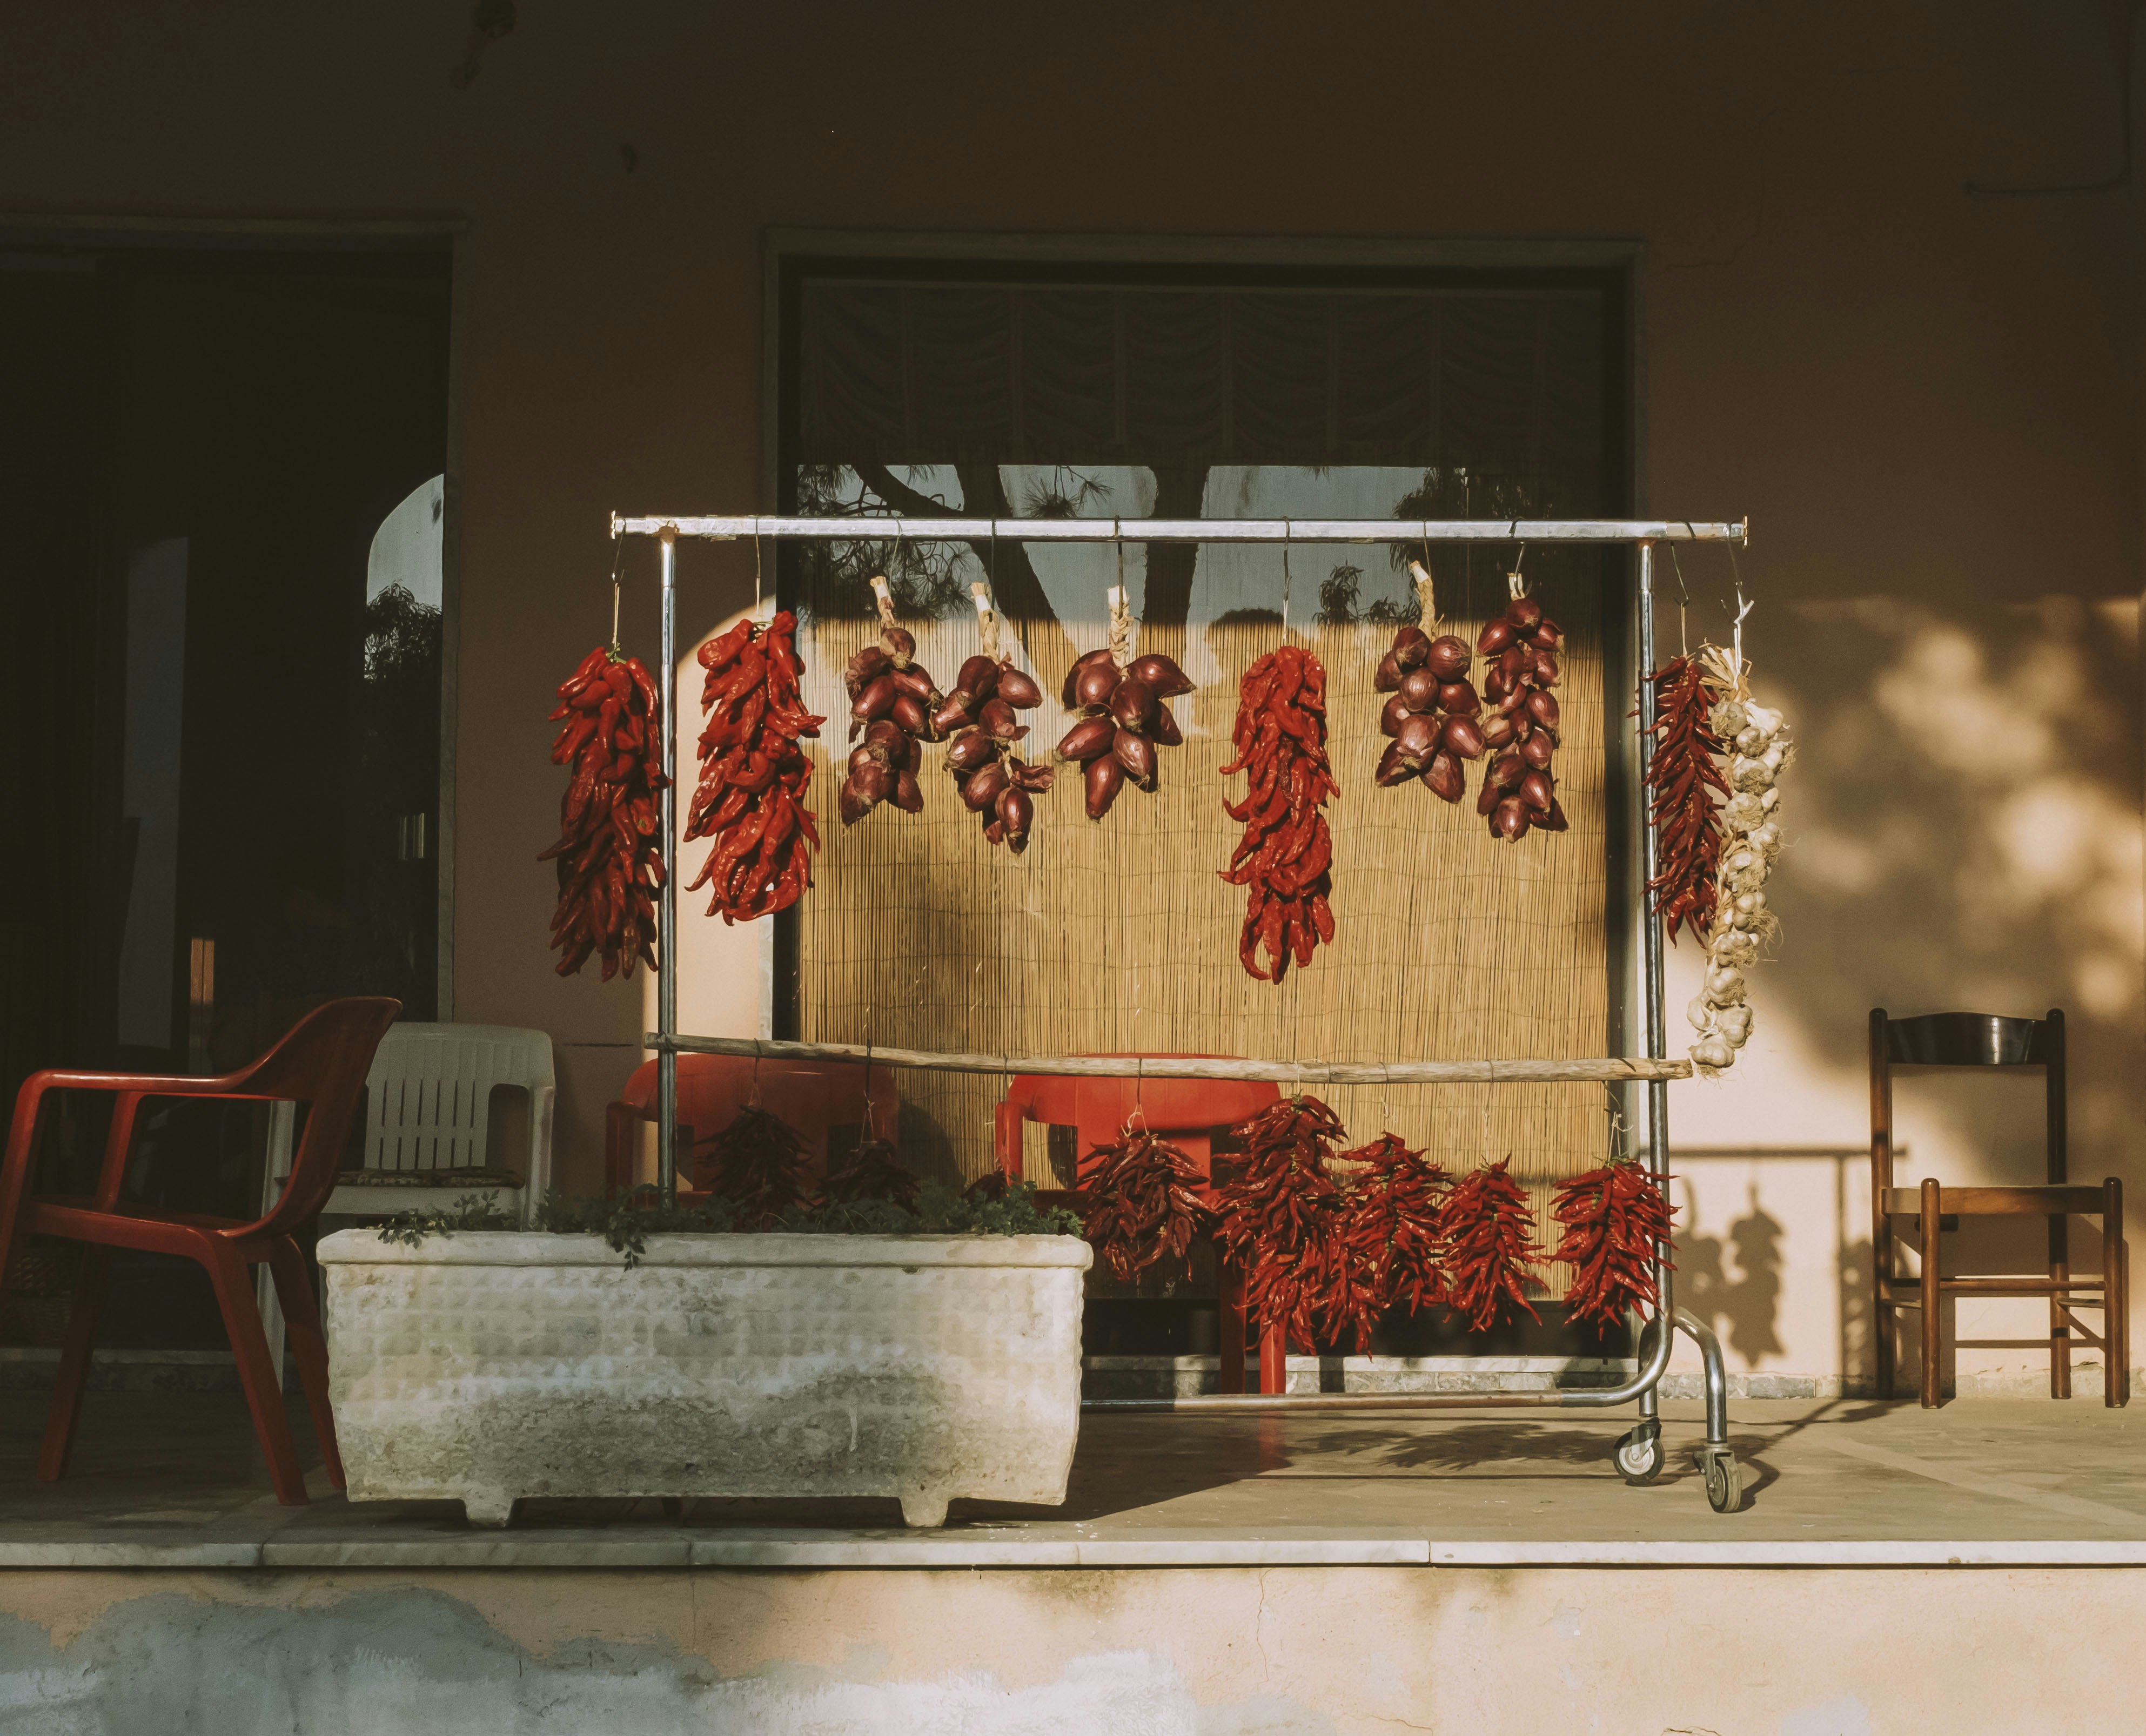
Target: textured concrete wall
[(1211, 1652), (1923, 391)]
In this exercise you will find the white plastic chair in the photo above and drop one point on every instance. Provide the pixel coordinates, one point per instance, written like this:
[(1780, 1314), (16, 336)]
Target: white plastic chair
[(429, 1100)]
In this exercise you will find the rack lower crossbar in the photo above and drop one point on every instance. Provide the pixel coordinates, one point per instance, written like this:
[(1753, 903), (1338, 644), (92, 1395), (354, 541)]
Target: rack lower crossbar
[(1611, 1069), (865, 527)]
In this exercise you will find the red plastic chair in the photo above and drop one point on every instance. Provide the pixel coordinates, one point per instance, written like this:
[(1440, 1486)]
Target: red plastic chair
[(1188, 1113), (322, 1061), (810, 1096)]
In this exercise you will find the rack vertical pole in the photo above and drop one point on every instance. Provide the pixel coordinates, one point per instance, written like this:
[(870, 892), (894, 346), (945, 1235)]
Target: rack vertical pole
[(1651, 931), (667, 905)]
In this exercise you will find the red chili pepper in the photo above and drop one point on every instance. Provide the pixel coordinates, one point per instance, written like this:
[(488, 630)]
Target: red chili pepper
[(1140, 1201), (1281, 1217), (1285, 855), (752, 772), (605, 855), (1613, 1218), (1682, 773), (1488, 1232)]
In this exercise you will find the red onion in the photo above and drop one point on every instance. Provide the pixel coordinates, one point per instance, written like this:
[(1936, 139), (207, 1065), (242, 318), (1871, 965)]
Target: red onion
[(1093, 686), (1090, 736), (1136, 754), (1448, 658), (1105, 778), (1159, 673), (1017, 690), (1419, 688), (1133, 704)]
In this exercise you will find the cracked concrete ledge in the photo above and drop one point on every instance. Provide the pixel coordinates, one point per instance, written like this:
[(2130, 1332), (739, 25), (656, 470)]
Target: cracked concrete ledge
[(553, 1550)]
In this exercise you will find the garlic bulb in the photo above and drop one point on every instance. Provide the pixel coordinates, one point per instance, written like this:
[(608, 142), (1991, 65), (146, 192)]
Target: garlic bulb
[(1734, 1024), (1743, 814), (1728, 719), (1730, 947), (1752, 776), (1699, 1013), (1724, 985)]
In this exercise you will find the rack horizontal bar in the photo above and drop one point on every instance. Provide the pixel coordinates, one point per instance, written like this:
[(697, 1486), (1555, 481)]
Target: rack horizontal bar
[(1612, 1069), (863, 528)]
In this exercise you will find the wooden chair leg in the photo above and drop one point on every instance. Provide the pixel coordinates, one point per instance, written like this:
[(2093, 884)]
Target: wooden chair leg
[(308, 1346), (1930, 1292), (264, 1393), (2060, 1319), (75, 1358), (1883, 1318), (2115, 1350)]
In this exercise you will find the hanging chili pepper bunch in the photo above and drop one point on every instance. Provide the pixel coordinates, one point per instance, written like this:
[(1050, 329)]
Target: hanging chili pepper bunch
[(891, 700), (1740, 922), (610, 851), (1125, 717), (981, 722), (1281, 1215), (751, 799), (1286, 854), (1487, 1229), (1432, 716), (757, 1163), (1389, 1233), (1682, 774), (1519, 789), (873, 1171), (1613, 1217), (1141, 1202)]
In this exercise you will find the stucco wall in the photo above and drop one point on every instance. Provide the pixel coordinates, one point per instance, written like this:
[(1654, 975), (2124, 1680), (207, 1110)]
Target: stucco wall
[(1924, 395), (1197, 1652)]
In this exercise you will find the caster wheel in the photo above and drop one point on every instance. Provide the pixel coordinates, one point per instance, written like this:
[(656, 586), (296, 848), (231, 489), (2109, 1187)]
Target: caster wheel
[(1725, 1480), (1639, 1455)]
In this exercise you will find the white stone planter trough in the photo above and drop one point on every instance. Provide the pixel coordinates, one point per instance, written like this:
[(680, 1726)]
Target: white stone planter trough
[(487, 1367)]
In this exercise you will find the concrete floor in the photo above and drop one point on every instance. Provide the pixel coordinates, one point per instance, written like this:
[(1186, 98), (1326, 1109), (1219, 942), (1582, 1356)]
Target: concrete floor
[(174, 1479)]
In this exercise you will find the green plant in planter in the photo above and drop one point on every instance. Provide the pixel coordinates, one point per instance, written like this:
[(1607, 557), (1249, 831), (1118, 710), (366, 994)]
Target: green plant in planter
[(627, 1220)]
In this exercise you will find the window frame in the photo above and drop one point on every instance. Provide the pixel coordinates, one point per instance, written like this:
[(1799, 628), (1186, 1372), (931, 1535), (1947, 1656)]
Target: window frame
[(1616, 266)]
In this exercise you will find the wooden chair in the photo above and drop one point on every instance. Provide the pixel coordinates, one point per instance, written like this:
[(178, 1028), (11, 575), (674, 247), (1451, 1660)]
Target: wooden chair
[(1980, 1039), (322, 1062), (1188, 1113)]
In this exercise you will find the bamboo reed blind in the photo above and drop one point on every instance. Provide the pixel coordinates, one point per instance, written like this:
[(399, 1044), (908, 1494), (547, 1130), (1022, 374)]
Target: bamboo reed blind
[(1120, 936)]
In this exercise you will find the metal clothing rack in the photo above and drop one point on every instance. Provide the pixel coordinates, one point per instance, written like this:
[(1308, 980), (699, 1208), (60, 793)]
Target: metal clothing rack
[(1638, 1455)]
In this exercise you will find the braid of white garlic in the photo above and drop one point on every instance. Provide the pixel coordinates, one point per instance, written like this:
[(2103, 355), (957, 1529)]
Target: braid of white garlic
[(1721, 1012)]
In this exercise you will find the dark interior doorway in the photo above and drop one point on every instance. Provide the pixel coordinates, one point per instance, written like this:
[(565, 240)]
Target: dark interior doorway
[(222, 513)]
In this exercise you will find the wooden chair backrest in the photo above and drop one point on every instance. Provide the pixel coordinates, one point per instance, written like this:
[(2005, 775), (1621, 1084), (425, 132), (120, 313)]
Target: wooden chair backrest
[(1964, 1040)]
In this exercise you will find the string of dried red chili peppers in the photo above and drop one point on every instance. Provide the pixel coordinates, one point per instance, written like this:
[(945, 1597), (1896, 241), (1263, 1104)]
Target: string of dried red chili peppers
[(1280, 1214), (1684, 774), (753, 773), (1388, 1232), (757, 1163), (1613, 1217), (1287, 855), (873, 1171), (1488, 1231), (1141, 1203), (610, 856)]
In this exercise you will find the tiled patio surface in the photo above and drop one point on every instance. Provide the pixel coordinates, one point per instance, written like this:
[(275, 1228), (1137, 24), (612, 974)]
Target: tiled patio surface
[(174, 1479)]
